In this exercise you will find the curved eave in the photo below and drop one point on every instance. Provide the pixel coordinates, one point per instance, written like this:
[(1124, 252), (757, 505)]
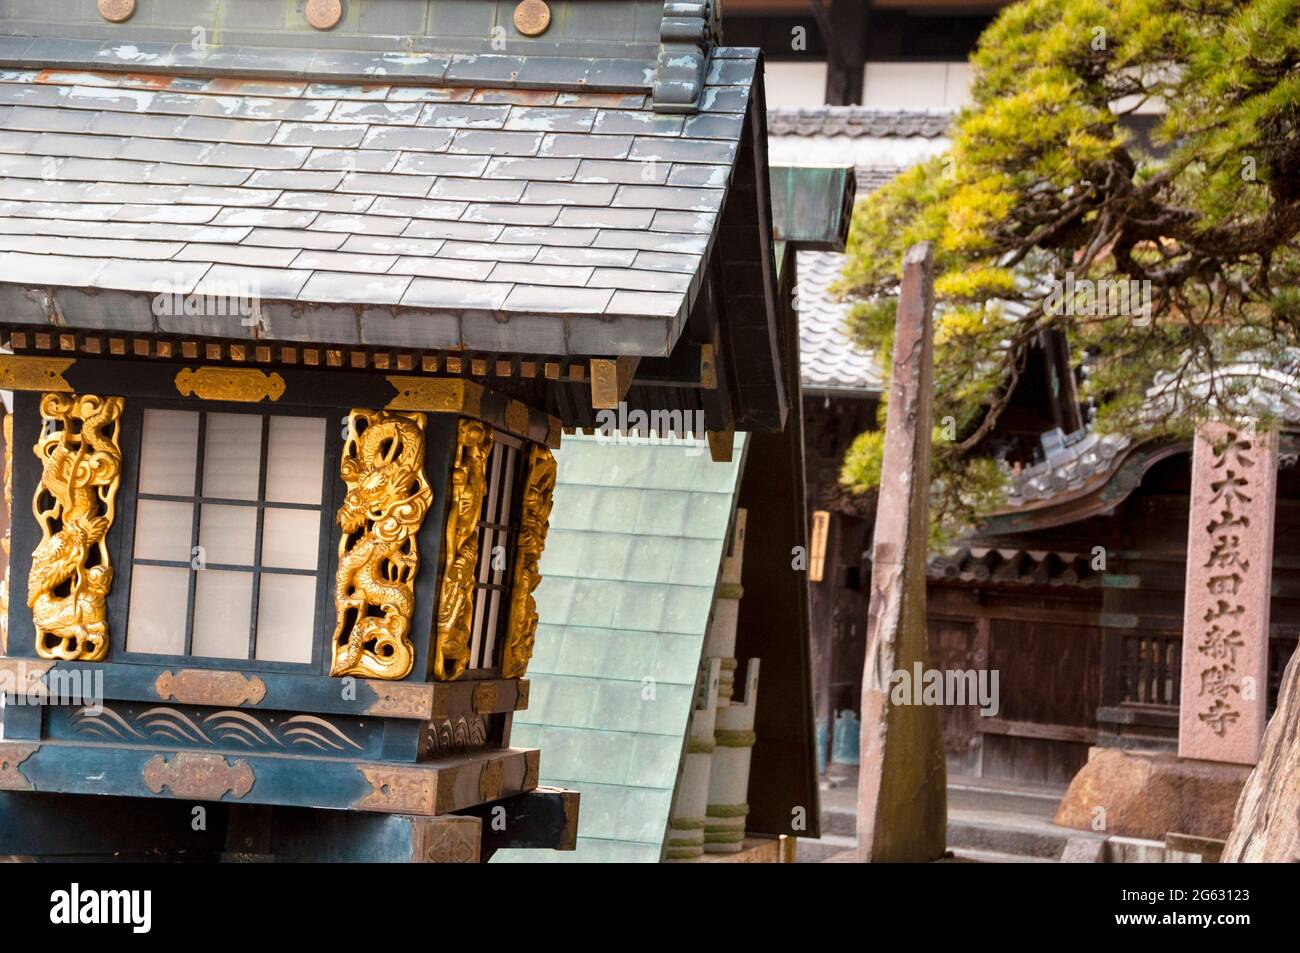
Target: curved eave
[(1104, 493)]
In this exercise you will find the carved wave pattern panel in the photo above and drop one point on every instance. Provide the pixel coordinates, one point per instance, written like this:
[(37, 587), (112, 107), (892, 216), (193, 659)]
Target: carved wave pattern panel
[(224, 729)]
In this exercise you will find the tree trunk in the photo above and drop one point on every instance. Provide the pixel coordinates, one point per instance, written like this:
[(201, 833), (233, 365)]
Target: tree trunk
[(1267, 823)]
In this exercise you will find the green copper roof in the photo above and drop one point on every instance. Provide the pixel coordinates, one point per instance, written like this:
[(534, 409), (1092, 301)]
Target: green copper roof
[(637, 537)]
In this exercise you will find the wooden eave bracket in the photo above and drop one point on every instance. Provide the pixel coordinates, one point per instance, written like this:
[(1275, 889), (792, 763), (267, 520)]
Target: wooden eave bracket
[(611, 379)]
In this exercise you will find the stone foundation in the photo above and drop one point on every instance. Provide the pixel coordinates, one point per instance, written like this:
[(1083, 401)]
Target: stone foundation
[(1150, 794)]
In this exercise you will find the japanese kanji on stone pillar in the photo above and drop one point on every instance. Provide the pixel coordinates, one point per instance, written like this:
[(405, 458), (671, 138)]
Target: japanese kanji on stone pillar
[(1224, 702)]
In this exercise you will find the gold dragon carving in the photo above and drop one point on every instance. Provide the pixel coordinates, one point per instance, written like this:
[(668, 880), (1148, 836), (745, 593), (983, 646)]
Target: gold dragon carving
[(74, 505), (387, 499), (456, 597), (534, 522)]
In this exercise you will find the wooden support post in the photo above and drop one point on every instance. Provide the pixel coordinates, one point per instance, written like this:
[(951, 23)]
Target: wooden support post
[(902, 794)]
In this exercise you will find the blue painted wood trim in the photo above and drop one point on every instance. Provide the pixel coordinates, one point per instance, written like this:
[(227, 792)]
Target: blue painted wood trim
[(428, 788)]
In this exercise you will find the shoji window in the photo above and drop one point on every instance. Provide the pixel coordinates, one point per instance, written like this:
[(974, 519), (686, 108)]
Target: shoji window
[(227, 552), (497, 528)]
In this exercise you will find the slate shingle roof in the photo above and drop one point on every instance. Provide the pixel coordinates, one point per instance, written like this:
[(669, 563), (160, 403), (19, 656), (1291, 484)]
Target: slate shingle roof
[(579, 219)]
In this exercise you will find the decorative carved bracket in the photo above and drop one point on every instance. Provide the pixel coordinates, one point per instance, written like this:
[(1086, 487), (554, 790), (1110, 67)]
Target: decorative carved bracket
[(456, 598), (387, 499), (688, 31), (534, 523), (74, 504)]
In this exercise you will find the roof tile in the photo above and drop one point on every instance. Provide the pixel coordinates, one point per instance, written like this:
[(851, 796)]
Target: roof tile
[(573, 145), (359, 288), (413, 138), (491, 142), (441, 293), (563, 275), (237, 254), (326, 202), (464, 116), (334, 134), (512, 214), (556, 170), (550, 300), (565, 119), (360, 224)]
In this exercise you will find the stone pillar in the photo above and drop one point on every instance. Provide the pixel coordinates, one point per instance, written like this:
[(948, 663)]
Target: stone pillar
[(686, 828), (724, 828), (902, 786), (1224, 702)]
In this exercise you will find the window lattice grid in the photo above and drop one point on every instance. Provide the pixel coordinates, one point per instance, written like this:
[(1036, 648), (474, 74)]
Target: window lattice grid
[(498, 527), (228, 512)]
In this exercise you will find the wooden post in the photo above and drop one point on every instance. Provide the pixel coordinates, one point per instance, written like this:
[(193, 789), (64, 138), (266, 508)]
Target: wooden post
[(902, 786)]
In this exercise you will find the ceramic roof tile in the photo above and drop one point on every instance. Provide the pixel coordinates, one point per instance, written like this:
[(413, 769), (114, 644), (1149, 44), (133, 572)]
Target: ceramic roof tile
[(827, 360), (857, 121), (512, 190)]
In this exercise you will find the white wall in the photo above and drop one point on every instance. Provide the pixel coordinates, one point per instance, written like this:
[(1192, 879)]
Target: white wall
[(916, 85), (795, 84), (885, 85)]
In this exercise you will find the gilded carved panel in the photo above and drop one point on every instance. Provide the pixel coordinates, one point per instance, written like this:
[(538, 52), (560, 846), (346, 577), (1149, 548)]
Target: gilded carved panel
[(74, 504), (534, 523), (456, 597), (387, 499)]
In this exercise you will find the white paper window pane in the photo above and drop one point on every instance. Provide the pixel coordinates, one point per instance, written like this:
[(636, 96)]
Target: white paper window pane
[(228, 534), (169, 444), (290, 538), (163, 530), (223, 603), (295, 460), (286, 614), (157, 614), (232, 457)]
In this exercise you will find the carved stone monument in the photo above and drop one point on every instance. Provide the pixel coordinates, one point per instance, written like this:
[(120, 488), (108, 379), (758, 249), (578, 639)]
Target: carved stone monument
[(902, 794), (1224, 702)]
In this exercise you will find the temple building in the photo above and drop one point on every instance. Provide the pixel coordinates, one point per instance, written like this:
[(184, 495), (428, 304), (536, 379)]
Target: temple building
[(297, 301)]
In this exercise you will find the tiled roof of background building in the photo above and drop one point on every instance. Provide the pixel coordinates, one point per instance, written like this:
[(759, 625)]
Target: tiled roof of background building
[(879, 144), (857, 121), (458, 215), (827, 359)]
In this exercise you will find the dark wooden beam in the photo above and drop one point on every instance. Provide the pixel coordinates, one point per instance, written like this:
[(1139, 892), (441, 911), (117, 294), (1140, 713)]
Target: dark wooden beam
[(843, 26)]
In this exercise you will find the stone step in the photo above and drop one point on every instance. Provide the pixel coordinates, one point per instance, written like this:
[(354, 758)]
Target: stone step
[(839, 804), (819, 851), (840, 820), (971, 855), (1020, 799), (1006, 833)]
